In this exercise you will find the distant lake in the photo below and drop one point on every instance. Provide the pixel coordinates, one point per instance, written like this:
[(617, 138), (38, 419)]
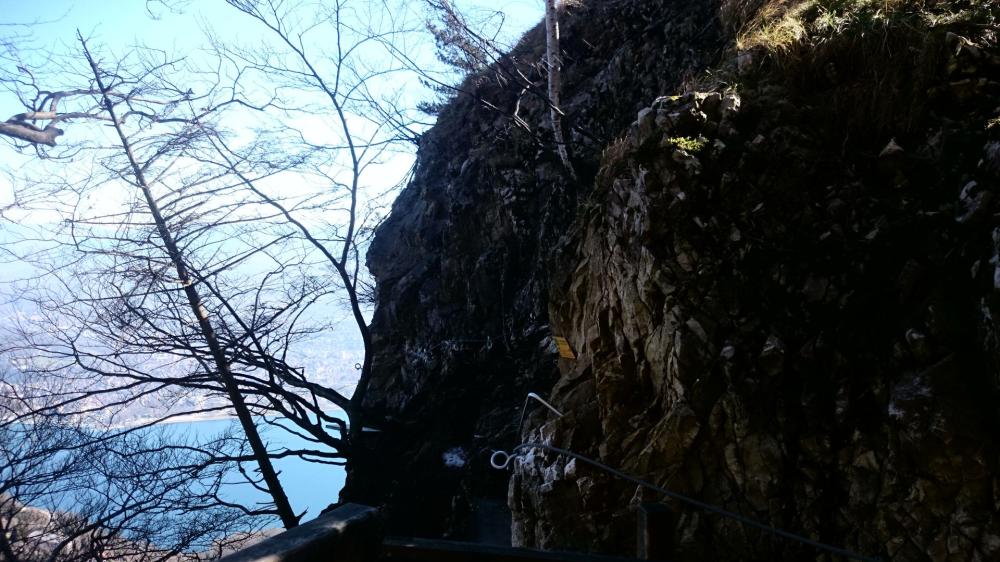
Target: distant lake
[(309, 486)]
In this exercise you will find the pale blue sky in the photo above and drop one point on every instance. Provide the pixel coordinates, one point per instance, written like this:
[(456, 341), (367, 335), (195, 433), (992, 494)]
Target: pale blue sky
[(114, 26), (124, 22)]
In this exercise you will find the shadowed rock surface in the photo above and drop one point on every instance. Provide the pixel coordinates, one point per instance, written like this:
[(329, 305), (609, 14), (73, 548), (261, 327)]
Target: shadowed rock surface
[(461, 326), (781, 289)]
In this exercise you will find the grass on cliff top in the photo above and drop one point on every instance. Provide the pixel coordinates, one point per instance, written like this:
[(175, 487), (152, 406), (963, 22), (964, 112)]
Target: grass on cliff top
[(864, 66), (780, 25)]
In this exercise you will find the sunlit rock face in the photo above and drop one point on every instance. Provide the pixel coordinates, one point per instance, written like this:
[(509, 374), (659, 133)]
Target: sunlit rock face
[(781, 292)]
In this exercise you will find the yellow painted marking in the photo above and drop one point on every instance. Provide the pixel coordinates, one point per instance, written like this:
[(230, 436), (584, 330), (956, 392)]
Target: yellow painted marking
[(565, 351)]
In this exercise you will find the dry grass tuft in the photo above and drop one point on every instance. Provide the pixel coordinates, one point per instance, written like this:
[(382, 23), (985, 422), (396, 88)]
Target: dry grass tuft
[(778, 26), (870, 61)]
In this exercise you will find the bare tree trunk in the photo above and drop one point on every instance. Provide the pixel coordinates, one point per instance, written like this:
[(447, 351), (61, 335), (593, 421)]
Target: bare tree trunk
[(268, 473), (554, 63)]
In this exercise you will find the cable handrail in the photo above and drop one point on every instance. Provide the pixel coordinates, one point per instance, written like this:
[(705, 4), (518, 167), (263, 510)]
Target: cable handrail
[(501, 460)]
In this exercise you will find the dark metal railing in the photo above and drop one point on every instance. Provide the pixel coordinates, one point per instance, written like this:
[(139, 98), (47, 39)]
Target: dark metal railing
[(426, 550), (353, 533), (349, 533)]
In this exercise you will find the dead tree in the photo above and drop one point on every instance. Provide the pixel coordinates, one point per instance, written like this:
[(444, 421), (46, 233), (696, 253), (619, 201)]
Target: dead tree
[(144, 300), (141, 302), (365, 127), (179, 262), (462, 45), (553, 60), (146, 100)]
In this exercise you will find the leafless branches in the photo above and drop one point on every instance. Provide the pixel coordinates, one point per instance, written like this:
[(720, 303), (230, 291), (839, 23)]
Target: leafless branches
[(363, 128), (189, 258), (466, 47), (72, 492)]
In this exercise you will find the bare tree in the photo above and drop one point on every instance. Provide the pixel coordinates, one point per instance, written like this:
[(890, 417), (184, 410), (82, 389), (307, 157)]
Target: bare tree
[(146, 300), (106, 83), (346, 83), (163, 124)]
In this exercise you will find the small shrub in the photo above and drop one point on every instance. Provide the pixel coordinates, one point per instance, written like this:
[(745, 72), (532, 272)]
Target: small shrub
[(688, 144)]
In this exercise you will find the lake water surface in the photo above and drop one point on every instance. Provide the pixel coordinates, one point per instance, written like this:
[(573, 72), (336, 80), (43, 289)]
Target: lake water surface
[(309, 486)]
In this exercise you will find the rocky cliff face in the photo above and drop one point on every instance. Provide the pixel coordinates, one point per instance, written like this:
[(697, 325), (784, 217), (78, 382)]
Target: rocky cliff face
[(461, 328), (781, 291)]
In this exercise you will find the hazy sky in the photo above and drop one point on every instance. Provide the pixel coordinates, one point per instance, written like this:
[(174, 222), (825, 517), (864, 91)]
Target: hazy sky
[(124, 22), (113, 27)]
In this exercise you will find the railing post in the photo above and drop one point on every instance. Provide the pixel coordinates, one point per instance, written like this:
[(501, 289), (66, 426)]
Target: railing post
[(656, 532)]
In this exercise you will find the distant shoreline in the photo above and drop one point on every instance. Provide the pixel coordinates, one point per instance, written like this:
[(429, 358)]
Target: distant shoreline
[(150, 421), (183, 418), (187, 418)]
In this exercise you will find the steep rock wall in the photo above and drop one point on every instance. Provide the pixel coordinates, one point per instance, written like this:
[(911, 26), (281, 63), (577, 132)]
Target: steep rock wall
[(781, 293), (461, 330), (783, 300)]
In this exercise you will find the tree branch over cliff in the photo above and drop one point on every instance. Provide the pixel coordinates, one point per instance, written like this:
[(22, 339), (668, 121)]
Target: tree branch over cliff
[(472, 51), (553, 62), (204, 212)]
